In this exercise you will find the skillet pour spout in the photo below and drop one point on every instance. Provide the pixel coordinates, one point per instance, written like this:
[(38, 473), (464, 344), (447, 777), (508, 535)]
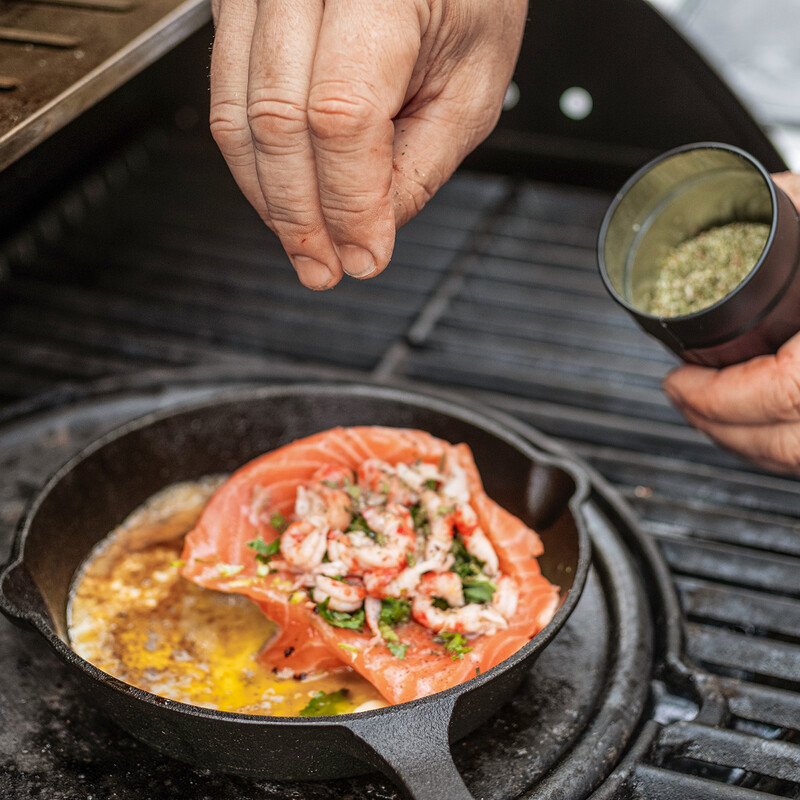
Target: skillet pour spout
[(410, 743)]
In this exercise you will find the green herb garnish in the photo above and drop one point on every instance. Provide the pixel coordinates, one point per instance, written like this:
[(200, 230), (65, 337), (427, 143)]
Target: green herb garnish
[(353, 491), (465, 565), (470, 569), (397, 649), (394, 611), (420, 519), (358, 523), (265, 552), (454, 643), (323, 704), (478, 591), (353, 620), (278, 521)]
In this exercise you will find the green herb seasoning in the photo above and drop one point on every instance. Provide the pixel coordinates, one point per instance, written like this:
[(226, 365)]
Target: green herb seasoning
[(323, 704), (702, 270)]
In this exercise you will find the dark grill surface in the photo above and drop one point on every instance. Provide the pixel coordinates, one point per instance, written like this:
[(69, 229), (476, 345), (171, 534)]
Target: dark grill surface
[(154, 269)]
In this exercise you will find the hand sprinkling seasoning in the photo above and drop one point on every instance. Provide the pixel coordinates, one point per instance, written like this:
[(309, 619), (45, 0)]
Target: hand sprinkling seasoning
[(702, 270)]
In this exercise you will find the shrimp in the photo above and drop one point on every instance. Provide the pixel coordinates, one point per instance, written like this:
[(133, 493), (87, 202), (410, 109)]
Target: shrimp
[(341, 596), (455, 486), (303, 543), (329, 483), (381, 480), (506, 597), (323, 501), (417, 476), (484, 618), (475, 540), (372, 611), (395, 538), (341, 553), (378, 582), (440, 539)]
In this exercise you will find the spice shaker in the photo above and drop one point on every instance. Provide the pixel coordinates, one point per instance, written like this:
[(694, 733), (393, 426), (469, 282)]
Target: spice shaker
[(678, 195)]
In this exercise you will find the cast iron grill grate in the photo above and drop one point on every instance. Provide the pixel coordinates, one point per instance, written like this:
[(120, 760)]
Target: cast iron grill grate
[(153, 265)]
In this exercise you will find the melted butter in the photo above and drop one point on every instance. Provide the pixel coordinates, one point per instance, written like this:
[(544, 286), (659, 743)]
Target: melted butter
[(133, 615)]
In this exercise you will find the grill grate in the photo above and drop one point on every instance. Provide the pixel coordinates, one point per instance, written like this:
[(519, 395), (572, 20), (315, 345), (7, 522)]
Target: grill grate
[(155, 263)]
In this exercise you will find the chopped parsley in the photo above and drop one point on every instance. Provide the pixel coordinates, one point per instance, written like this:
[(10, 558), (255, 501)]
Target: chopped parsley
[(353, 620), (420, 519), (265, 552), (359, 524), (397, 649), (478, 591), (395, 611), (353, 491), (454, 643), (323, 704), (278, 521), (465, 565)]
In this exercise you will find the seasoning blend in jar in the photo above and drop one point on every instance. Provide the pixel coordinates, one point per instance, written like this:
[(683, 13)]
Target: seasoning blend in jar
[(703, 250)]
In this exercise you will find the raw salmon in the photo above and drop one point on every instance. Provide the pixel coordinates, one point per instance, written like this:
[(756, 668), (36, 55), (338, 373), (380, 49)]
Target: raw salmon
[(257, 498)]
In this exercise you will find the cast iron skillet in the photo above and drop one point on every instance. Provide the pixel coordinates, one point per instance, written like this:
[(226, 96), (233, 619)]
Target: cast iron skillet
[(98, 488)]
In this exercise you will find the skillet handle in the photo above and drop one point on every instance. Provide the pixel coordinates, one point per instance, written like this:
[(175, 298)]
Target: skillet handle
[(411, 746)]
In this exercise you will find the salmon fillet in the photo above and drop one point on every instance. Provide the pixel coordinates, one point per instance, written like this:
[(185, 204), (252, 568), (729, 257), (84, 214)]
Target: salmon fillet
[(247, 507)]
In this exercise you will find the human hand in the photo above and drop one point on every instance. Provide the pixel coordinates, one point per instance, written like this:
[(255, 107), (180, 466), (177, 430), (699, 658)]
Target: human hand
[(340, 119), (752, 409)]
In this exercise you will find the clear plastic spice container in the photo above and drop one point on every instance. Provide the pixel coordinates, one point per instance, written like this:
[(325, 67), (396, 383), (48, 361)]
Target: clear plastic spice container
[(675, 197)]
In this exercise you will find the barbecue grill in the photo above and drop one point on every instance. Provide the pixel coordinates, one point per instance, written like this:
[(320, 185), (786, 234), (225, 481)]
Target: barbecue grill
[(135, 277)]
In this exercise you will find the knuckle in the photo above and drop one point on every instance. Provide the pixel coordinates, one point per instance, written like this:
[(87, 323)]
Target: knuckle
[(335, 112), (785, 394), (230, 136), (273, 120), (291, 223)]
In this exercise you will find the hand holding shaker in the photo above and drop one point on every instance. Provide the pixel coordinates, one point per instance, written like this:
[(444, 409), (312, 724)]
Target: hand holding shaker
[(703, 250)]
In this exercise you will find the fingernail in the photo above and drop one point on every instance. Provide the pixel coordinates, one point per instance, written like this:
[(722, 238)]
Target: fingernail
[(312, 273), (356, 261)]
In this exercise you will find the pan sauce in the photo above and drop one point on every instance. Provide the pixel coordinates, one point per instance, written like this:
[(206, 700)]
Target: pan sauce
[(132, 615)]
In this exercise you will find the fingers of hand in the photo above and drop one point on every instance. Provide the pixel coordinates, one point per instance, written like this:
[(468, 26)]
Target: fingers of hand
[(278, 88), (365, 58), (235, 20), (772, 446), (763, 390), (752, 409)]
